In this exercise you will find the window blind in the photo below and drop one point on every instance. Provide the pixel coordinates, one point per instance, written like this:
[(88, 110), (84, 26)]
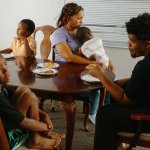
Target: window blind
[(106, 18)]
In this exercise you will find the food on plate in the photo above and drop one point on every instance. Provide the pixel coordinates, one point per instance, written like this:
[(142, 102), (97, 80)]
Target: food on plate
[(47, 72), (49, 64)]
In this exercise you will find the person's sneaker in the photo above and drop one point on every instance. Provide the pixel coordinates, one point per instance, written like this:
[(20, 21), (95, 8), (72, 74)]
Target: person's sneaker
[(92, 118)]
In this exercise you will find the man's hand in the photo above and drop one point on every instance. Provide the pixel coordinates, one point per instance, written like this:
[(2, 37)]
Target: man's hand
[(110, 66), (95, 69)]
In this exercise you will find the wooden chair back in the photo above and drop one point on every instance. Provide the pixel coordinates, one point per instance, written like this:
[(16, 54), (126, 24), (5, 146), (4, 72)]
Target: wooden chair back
[(45, 46)]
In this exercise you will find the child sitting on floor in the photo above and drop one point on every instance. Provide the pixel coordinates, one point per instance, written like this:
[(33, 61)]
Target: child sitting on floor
[(23, 45), (19, 110)]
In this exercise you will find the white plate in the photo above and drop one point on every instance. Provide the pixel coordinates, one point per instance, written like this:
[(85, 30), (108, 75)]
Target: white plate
[(85, 76), (48, 65), (89, 78), (7, 56), (45, 71)]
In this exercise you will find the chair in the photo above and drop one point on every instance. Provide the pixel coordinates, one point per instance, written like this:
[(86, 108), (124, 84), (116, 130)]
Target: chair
[(45, 46), (4, 145), (138, 138)]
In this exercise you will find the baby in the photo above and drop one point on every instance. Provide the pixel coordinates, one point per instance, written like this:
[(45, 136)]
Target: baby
[(92, 48)]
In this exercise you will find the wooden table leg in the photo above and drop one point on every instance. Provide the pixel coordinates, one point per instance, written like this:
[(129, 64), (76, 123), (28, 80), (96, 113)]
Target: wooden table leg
[(70, 110)]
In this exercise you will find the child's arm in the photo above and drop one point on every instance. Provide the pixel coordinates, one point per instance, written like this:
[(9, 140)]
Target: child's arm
[(46, 119), (6, 51), (28, 50), (110, 66)]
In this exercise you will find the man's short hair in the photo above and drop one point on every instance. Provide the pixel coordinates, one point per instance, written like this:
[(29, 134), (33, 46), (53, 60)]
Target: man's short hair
[(139, 26), (30, 25)]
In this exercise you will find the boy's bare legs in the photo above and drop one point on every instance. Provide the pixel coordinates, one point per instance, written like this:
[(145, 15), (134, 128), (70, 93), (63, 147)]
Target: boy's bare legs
[(27, 103), (25, 91)]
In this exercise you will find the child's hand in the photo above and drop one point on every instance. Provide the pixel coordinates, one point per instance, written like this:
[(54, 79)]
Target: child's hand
[(79, 52), (21, 37), (48, 122), (110, 66)]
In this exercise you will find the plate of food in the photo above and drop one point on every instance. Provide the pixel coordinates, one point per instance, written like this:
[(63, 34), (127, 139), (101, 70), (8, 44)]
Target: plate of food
[(48, 64), (45, 71)]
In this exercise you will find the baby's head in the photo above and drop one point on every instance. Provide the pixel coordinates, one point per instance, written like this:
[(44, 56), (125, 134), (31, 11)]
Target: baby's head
[(4, 74), (84, 34), (25, 28)]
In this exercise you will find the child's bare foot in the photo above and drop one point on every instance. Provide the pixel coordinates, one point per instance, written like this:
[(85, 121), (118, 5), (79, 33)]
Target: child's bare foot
[(39, 142), (54, 135)]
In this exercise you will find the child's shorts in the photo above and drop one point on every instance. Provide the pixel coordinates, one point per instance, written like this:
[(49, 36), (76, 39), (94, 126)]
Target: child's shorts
[(17, 137)]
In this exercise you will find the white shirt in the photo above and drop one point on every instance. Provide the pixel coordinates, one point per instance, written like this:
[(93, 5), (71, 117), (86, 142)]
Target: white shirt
[(95, 46)]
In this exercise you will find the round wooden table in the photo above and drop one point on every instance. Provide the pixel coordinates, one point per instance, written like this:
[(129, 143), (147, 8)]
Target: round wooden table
[(65, 86)]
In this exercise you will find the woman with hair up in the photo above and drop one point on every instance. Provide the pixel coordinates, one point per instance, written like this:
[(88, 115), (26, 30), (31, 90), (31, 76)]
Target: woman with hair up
[(64, 40), (66, 45)]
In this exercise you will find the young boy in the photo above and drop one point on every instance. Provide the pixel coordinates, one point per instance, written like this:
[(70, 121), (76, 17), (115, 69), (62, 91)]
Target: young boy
[(92, 48), (23, 45), (19, 110)]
